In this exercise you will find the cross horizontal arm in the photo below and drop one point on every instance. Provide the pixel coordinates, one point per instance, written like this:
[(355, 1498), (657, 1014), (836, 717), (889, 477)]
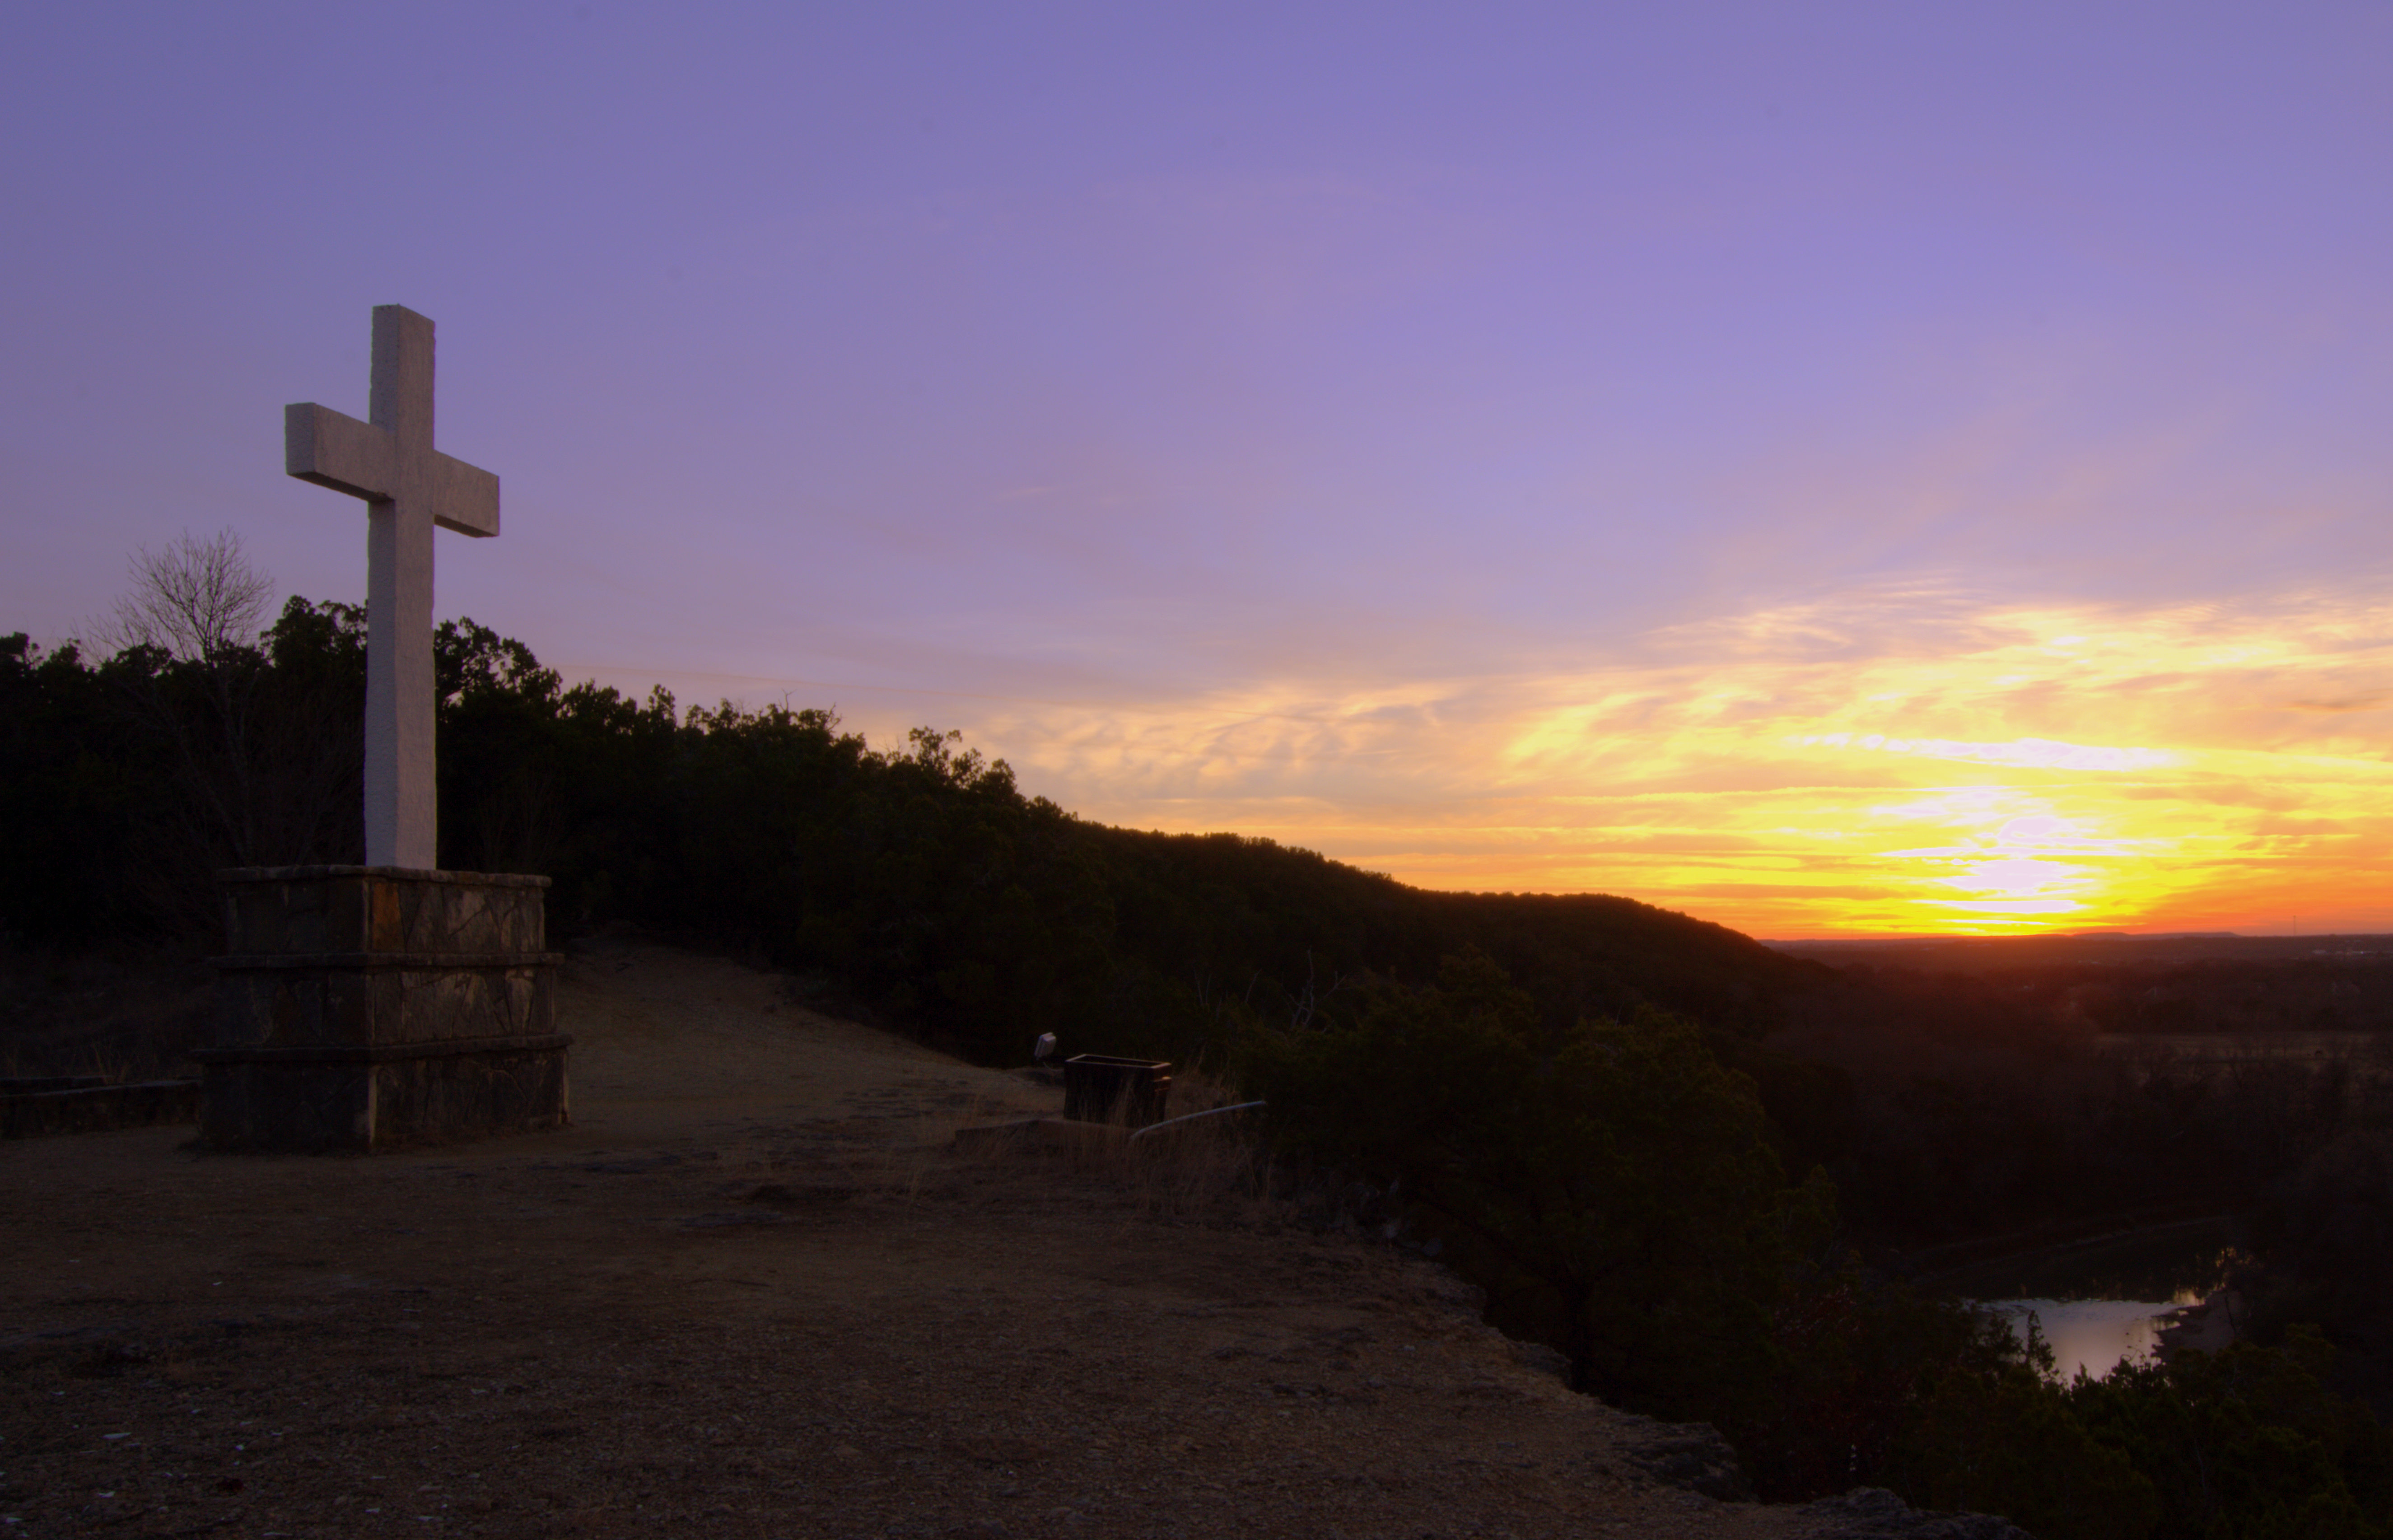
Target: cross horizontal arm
[(336, 450), (332, 450), (465, 498)]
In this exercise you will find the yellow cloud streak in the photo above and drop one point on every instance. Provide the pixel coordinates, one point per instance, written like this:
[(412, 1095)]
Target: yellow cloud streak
[(1897, 762)]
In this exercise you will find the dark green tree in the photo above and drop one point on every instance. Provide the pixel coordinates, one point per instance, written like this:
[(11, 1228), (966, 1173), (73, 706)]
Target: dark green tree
[(1609, 1182)]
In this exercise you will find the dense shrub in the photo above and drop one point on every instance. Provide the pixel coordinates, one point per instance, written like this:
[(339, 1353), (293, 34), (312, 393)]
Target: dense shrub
[(1608, 1182), (1610, 1185)]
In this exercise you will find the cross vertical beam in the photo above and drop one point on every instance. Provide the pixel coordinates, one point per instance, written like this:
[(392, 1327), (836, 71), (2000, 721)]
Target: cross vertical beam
[(402, 797), (408, 487)]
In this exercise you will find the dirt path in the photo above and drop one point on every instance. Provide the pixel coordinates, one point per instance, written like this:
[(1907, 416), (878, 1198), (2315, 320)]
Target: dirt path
[(751, 1293)]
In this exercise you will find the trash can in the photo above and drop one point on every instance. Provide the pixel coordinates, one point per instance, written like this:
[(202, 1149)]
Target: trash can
[(1099, 1089)]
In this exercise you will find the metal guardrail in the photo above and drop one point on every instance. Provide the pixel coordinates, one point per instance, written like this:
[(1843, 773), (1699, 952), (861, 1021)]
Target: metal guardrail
[(1190, 1118)]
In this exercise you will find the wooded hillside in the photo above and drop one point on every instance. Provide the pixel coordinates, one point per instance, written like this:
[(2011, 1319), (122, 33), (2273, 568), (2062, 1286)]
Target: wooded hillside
[(917, 882)]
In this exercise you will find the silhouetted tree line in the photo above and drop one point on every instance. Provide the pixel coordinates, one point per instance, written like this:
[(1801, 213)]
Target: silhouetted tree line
[(2254, 984), (1950, 1105), (1987, 1094), (2323, 1244), (1594, 1105), (129, 782), (917, 881)]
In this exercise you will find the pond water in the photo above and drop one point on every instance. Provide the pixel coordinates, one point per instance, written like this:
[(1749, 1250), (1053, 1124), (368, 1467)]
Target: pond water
[(2103, 1304), (2096, 1336)]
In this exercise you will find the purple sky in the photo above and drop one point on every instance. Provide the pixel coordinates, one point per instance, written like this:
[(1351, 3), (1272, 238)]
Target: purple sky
[(1286, 418)]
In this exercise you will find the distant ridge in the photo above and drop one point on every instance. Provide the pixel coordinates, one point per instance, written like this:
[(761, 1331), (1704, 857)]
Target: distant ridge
[(1789, 943), (1972, 953)]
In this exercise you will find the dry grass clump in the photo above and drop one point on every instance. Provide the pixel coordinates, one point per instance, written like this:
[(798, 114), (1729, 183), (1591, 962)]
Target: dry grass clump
[(1204, 1166), (126, 1013)]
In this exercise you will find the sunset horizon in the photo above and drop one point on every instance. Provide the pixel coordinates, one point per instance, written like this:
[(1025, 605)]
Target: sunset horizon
[(1786, 795), (1872, 473)]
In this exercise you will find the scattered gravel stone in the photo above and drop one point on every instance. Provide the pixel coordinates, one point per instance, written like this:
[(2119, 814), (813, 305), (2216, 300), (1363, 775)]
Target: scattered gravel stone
[(1873, 1513), (1539, 1359), (1690, 1456)]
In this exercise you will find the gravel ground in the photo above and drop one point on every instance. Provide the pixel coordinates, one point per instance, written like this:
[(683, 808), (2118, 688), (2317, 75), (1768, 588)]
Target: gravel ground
[(756, 1291)]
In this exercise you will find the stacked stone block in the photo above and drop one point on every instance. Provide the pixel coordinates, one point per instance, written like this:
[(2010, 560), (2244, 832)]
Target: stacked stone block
[(368, 1008)]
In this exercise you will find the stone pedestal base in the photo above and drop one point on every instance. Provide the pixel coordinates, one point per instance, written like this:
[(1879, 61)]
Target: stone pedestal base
[(369, 1007), (360, 1099)]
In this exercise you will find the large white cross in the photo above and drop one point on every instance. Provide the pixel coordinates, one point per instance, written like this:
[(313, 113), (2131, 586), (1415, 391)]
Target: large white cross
[(408, 486)]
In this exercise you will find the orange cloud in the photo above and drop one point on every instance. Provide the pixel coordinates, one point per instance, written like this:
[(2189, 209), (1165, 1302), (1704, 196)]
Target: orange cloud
[(1902, 759), (1899, 761)]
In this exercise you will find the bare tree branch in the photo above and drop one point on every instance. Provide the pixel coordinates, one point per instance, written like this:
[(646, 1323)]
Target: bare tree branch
[(193, 601)]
